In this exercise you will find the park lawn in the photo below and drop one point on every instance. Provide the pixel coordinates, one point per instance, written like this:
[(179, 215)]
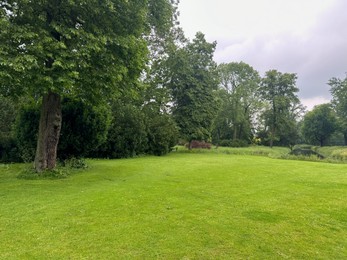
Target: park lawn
[(180, 206)]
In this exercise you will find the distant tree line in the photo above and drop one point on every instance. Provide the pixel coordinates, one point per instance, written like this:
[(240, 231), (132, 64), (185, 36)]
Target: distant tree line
[(77, 84)]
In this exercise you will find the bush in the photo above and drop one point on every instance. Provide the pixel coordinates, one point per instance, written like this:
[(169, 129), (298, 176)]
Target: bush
[(26, 132), (84, 128), (233, 143), (9, 151), (127, 136), (198, 144), (76, 163), (308, 152), (162, 134)]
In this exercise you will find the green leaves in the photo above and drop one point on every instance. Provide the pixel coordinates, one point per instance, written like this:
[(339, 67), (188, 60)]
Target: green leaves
[(279, 90), (193, 80), (319, 124), (76, 48)]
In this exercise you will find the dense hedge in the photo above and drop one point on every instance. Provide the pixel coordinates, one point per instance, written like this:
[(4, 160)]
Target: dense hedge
[(233, 143), (94, 131)]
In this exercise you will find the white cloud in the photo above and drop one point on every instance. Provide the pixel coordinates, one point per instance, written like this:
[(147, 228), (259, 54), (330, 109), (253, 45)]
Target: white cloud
[(309, 103)]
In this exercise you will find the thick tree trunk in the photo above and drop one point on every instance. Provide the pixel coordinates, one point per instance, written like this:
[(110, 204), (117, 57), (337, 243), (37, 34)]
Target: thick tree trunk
[(49, 131)]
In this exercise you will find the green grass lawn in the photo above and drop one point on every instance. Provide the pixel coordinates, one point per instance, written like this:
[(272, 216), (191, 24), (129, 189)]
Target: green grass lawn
[(180, 206)]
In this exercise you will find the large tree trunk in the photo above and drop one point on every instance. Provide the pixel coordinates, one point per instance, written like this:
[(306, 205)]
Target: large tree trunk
[(49, 131)]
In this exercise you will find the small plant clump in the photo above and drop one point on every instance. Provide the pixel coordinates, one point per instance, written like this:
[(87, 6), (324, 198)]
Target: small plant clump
[(63, 170), (198, 145), (29, 173)]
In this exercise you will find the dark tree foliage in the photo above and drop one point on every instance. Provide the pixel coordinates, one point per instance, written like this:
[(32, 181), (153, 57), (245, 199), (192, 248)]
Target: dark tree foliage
[(239, 83), (279, 91), (86, 49), (319, 124), (26, 132), (162, 131), (339, 101), (127, 136), (8, 144), (137, 130), (193, 81), (84, 129)]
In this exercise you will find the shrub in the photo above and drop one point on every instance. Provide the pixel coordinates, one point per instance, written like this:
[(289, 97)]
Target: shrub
[(233, 143), (198, 144), (162, 134), (9, 151), (299, 151), (225, 143), (76, 163), (127, 136), (84, 128), (26, 132)]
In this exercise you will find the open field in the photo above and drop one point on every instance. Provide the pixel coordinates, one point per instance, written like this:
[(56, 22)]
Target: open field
[(180, 206)]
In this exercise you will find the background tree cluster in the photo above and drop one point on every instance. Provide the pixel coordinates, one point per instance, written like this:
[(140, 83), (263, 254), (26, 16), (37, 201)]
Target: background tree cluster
[(117, 79)]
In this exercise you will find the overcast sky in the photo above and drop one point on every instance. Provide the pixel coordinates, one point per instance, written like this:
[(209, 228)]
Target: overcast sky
[(307, 37)]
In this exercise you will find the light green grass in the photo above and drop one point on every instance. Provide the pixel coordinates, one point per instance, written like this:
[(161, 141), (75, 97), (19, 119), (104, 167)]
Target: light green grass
[(333, 152), (275, 152), (181, 206)]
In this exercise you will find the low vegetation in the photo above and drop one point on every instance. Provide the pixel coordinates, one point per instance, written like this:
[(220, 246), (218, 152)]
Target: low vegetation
[(213, 204)]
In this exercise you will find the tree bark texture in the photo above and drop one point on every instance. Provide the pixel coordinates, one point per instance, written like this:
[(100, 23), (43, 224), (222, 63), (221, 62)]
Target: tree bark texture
[(49, 131)]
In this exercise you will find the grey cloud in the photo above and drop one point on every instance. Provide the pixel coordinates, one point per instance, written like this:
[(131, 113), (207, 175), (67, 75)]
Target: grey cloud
[(318, 56)]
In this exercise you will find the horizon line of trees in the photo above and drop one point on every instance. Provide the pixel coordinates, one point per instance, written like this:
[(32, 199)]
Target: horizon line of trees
[(77, 84)]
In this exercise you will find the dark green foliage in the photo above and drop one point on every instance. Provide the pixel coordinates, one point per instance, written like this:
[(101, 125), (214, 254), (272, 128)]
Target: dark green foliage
[(195, 144), (162, 134), (91, 50), (26, 132), (134, 132), (234, 143), (8, 144), (9, 151), (127, 136), (240, 100), (302, 151), (319, 124), (84, 128), (193, 81), (76, 163), (84, 48), (339, 101), (279, 91)]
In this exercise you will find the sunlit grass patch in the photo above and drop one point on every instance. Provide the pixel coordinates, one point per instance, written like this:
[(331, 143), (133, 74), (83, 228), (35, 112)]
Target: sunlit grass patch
[(185, 205)]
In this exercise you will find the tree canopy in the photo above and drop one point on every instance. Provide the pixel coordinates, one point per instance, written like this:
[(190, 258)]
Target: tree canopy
[(78, 49), (339, 101), (279, 90), (192, 79), (319, 124)]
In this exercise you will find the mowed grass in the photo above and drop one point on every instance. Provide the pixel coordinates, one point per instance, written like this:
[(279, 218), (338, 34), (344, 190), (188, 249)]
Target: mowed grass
[(180, 206)]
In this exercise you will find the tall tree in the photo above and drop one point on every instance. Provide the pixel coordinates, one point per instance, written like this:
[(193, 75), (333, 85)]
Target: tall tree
[(279, 91), (319, 124), (241, 82), (339, 93), (193, 81), (79, 49)]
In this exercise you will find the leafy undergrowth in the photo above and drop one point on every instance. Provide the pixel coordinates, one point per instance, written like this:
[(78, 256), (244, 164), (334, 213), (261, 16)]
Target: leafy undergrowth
[(333, 152), (275, 152), (180, 206), (329, 154)]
